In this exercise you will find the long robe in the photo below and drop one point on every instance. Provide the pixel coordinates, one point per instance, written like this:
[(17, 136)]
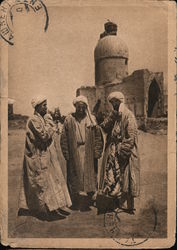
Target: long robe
[(56, 138), (81, 153), (128, 155), (43, 185)]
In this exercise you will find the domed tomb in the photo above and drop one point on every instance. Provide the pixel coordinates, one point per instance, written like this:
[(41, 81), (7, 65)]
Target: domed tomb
[(111, 57)]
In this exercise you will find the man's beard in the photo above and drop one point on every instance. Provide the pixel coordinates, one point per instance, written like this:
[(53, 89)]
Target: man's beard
[(81, 114), (116, 107)]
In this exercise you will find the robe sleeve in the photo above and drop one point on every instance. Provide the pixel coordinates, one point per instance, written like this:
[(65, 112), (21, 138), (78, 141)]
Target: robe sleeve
[(64, 141), (99, 143), (131, 133), (44, 133)]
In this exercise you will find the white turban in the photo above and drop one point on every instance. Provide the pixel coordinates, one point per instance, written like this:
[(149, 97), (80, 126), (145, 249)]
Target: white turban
[(38, 100), (83, 99), (117, 95), (80, 98)]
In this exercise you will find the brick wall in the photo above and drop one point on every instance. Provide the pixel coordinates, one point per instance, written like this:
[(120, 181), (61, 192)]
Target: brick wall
[(134, 88)]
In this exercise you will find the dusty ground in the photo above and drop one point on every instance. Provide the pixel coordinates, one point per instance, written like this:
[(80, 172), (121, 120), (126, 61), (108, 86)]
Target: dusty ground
[(151, 215)]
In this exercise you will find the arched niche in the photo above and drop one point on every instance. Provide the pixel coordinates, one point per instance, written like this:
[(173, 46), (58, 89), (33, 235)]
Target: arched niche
[(154, 99)]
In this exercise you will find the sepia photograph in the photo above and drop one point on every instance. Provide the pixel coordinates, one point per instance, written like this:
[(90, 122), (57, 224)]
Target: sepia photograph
[(88, 123)]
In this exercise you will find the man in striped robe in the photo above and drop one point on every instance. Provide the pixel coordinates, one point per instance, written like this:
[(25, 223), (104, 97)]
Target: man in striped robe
[(126, 152)]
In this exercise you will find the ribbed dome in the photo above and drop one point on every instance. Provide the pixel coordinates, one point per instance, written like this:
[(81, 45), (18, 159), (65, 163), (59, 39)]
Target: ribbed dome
[(110, 46)]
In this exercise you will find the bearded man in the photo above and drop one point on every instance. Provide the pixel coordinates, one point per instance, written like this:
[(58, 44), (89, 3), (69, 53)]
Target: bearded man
[(82, 146)]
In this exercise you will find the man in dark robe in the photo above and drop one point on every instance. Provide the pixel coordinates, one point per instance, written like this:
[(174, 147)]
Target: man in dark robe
[(82, 146)]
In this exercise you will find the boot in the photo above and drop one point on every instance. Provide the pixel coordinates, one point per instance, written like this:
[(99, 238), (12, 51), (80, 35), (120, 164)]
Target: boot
[(75, 202), (84, 203)]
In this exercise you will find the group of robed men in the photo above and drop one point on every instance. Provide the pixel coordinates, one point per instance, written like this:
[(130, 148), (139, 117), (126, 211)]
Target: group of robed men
[(47, 192)]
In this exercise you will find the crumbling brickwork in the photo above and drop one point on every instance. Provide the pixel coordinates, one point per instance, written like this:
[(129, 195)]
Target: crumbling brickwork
[(143, 90)]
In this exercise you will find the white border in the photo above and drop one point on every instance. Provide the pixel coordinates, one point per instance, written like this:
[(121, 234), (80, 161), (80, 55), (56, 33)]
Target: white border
[(96, 243)]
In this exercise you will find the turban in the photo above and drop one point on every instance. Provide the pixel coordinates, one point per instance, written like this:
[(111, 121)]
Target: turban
[(80, 98), (83, 99), (117, 95), (38, 100)]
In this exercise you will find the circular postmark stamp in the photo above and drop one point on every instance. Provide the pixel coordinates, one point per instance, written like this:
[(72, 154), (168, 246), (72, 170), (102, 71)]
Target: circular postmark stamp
[(6, 15), (130, 231)]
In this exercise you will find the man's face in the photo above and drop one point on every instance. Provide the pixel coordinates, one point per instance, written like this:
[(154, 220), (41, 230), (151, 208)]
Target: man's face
[(42, 108), (81, 108), (115, 103)]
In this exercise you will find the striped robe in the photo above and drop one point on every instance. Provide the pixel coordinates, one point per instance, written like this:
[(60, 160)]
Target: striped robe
[(128, 155)]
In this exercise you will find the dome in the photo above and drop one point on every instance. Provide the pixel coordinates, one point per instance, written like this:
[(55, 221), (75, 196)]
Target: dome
[(110, 46)]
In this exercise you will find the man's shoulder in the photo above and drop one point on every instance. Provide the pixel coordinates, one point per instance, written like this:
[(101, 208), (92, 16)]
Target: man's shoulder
[(33, 118)]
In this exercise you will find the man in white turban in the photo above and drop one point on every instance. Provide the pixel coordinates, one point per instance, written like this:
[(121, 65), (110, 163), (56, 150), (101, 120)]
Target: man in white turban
[(44, 191), (38, 100), (120, 170), (82, 145)]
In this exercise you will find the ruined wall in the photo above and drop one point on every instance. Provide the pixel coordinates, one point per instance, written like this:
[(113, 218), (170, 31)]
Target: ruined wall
[(157, 124), (133, 89), (157, 78)]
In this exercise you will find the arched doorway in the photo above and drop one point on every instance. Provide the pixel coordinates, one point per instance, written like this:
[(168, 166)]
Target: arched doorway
[(153, 99)]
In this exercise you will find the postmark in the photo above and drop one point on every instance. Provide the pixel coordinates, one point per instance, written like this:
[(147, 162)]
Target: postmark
[(6, 15), (112, 223)]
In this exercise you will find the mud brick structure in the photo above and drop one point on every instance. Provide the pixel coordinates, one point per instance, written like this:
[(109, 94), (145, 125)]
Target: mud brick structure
[(143, 90)]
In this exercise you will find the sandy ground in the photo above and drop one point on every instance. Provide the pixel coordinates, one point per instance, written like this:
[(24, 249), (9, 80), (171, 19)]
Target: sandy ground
[(150, 219)]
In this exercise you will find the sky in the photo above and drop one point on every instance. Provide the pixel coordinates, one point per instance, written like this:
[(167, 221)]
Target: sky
[(57, 62)]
